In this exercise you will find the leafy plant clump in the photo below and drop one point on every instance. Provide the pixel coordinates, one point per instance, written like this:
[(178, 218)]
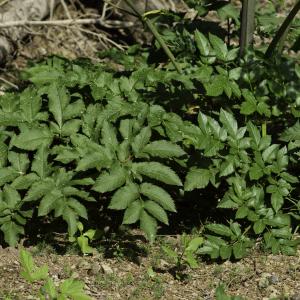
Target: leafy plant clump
[(68, 289), (81, 136)]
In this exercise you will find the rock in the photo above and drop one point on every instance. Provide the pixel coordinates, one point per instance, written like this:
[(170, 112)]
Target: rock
[(95, 269), (272, 292), (106, 269), (264, 280), (84, 265), (273, 279), (164, 264)]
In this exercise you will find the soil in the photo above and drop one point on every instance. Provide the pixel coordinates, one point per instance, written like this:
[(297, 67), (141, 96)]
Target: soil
[(120, 270)]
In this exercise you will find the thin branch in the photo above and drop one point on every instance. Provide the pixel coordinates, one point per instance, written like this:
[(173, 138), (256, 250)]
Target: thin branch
[(9, 83), (68, 22), (65, 7), (156, 34), (282, 31), (103, 37)]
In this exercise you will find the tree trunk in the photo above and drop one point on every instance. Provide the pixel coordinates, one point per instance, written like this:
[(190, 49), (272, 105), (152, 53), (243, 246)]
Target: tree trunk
[(16, 10)]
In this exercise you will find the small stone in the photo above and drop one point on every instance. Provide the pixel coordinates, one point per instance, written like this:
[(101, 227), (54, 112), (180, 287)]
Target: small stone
[(272, 292), (84, 265), (106, 269), (264, 280), (273, 279), (163, 264), (94, 270)]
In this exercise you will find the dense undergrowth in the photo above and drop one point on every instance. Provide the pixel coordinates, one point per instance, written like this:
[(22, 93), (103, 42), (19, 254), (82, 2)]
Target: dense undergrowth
[(82, 141)]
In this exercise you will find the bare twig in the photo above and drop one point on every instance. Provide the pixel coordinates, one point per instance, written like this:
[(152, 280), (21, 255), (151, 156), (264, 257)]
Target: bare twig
[(4, 2), (69, 22), (103, 37), (64, 5), (9, 83)]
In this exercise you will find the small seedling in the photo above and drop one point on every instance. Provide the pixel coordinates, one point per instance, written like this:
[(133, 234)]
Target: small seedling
[(68, 289), (186, 255)]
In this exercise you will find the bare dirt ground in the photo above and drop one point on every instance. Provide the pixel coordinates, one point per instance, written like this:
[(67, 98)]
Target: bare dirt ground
[(125, 274)]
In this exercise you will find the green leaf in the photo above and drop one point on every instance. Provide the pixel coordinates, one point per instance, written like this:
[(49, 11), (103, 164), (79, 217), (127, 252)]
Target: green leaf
[(158, 172), (30, 104), (126, 128), (239, 250), (92, 160), (225, 251), (29, 270), (226, 167), (71, 218), (109, 136), (141, 140), (83, 243), (156, 211), (73, 289), (40, 163), (197, 179), (24, 182), (229, 122), (219, 229), (48, 202), (11, 196), (269, 154), (124, 196), (149, 225), (50, 288), (163, 149), (170, 253), (31, 139), (277, 200), (191, 260), (259, 226), (216, 87), (194, 244), (254, 133), (108, 182), (78, 208), (219, 46), (58, 100), (19, 161), (202, 43), (132, 213), (242, 212), (39, 189), (70, 127), (7, 175), (158, 194), (11, 232)]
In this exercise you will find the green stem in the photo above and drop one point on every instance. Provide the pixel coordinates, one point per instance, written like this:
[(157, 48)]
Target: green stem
[(282, 31), (264, 129), (156, 34)]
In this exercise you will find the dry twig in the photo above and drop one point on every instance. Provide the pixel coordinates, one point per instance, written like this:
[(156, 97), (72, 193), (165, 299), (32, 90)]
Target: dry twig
[(68, 22)]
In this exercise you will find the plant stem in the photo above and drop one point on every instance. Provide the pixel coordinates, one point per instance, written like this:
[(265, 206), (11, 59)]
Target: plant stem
[(282, 31), (156, 34), (247, 25)]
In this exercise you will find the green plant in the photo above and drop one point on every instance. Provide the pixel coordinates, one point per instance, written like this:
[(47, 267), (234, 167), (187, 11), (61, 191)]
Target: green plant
[(222, 295), (84, 140), (185, 255), (84, 239), (68, 289)]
